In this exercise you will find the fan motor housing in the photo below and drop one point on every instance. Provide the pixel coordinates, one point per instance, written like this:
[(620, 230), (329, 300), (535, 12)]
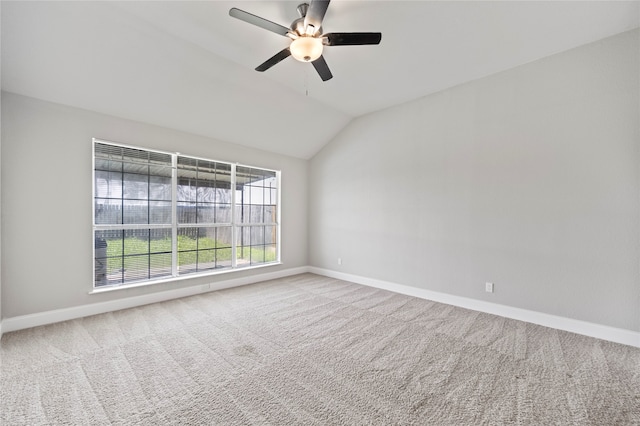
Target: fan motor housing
[(298, 25)]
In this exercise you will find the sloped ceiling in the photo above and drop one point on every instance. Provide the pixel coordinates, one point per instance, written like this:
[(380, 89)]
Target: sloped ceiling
[(190, 66)]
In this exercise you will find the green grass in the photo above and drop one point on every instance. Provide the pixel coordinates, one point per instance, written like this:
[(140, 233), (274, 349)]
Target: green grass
[(209, 251), (256, 254)]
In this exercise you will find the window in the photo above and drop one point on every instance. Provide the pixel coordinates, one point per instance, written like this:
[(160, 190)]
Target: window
[(160, 215)]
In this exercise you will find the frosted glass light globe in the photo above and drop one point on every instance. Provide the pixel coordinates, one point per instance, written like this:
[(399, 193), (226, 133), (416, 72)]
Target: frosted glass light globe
[(306, 49)]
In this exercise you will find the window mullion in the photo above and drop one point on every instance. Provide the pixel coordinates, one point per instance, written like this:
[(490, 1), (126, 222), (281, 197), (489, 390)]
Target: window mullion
[(278, 212), (149, 220), (130, 226), (205, 225), (233, 217), (174, 215)]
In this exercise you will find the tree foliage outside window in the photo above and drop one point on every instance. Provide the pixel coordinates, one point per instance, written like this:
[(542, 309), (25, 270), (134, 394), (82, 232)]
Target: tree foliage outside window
[(160, 215)]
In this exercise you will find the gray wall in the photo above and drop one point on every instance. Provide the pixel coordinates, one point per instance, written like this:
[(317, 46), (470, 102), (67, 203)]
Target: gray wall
[(0, 195), (46, 160), (528, 178)]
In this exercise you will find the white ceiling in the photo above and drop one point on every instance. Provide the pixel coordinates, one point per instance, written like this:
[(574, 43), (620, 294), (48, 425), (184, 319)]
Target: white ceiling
[(189, 65)]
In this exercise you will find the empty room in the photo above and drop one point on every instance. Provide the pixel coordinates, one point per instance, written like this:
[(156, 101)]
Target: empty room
[(320, 213)]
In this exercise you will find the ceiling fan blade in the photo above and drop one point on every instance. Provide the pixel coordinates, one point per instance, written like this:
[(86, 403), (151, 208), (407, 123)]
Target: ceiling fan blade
[(323, 69), (258, 21), (283, 54), (315, 14), (352, 39)]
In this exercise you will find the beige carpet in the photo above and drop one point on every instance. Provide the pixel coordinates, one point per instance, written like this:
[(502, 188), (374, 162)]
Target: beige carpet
[(310, 350)]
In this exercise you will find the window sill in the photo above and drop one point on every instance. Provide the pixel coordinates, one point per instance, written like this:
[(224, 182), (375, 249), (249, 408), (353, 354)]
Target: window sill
[(137, 284)]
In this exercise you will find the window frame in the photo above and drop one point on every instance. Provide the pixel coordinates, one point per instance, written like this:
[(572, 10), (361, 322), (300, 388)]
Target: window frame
[(235, 227)]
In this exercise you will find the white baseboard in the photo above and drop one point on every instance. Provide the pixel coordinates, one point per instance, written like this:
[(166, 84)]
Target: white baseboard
[(57, 315), (618, 335)]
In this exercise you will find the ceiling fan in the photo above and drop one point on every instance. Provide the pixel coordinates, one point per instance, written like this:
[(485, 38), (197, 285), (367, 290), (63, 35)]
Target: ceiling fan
[(307, 40)]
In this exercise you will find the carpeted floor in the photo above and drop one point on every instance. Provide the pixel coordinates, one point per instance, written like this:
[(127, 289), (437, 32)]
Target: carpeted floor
[(311, 350)]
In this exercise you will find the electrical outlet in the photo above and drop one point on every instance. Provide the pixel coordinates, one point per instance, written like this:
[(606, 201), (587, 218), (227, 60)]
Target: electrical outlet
[(488, 287), (339, 261)]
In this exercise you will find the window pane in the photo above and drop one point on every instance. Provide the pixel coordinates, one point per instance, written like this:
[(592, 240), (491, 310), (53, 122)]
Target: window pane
[(272, 196), (108, 211), (160, 265), (223, 213), (271, 235), (270, 253), (271, 180), (187, 175), (257, 214), (136, 268), (206, 184), (124, 180), (123, 255), (257, 235), (243, 175), (160, 241), (136, 241), (223, 193), (186, 189), (243, 213), (217, 243), (108, 165), (206, 192), (160, 188), (203, 248), (138, 167), (256, 197), (270, 212), (103, 266), (187, 238), (186, 212), (108, 257), (223, 237), (135, 186), (160, 212), (255, 245), (187, 250), (135, 211), (206, 213), (108, 184), (223, 183), (206, 259)]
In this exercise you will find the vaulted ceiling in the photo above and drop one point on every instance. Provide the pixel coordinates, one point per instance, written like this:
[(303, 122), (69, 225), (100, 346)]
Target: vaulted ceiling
[(190, 66)]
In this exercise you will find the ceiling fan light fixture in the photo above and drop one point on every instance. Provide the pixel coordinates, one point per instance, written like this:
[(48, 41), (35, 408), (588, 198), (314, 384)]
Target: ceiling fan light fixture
[(308, 39), (306, 49)]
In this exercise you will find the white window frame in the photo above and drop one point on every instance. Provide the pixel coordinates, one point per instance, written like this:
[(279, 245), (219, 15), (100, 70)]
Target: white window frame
[(175, 225)]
